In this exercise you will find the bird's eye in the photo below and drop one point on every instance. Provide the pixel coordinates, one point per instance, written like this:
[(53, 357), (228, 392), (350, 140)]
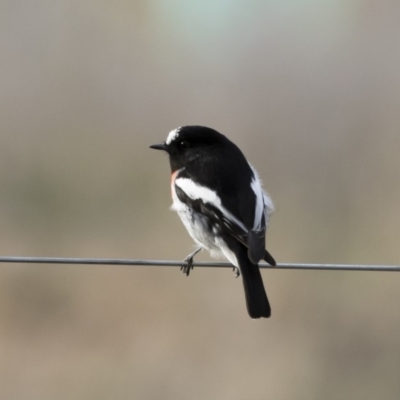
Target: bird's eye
[(183, 144)]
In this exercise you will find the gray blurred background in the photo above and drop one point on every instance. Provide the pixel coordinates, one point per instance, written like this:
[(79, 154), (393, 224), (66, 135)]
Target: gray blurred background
[(309, 90)]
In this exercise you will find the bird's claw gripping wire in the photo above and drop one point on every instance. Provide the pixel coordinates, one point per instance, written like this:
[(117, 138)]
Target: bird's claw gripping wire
[(236, 271), (188, 262)]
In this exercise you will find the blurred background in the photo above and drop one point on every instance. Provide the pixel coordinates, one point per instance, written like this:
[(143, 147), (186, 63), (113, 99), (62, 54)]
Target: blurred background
[(309, 90)]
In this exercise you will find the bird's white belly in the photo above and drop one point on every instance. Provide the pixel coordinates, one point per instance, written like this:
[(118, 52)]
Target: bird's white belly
[(202, 232), (198, 227)]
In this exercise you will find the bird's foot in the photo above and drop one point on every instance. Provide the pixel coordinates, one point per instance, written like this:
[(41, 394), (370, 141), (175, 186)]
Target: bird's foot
[(187, 266), (236, 271), (188, 262)]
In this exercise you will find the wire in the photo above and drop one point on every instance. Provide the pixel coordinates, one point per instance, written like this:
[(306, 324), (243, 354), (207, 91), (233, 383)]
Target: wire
[(166, 263)]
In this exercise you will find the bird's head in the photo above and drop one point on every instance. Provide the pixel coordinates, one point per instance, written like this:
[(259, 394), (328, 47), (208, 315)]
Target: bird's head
[(187, 143)]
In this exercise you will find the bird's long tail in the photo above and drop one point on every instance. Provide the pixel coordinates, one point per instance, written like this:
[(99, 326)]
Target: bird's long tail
[(256, 297)]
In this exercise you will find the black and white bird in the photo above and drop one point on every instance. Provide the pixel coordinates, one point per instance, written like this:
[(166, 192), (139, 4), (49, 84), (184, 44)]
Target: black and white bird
[(220, 200)]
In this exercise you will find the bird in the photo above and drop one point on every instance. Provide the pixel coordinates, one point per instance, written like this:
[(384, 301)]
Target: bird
[(220, 199)]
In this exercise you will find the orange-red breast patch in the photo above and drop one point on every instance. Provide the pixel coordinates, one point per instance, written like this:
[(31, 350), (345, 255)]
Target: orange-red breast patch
[(173, 177)]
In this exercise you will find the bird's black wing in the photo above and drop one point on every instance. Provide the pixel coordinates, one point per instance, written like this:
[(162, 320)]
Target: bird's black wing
[(223, 220), (214, 214)]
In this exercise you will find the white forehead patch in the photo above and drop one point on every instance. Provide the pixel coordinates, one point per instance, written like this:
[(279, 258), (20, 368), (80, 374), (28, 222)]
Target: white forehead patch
[(173, 135)]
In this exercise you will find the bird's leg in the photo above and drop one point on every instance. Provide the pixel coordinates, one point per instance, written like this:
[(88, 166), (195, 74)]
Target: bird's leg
[(188, 261)]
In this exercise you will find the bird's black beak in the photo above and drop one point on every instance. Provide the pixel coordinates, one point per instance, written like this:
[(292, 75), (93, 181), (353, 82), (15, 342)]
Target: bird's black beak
[(161, 146)]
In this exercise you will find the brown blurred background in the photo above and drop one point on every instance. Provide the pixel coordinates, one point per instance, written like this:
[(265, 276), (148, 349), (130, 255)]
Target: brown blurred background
[(309, 90)]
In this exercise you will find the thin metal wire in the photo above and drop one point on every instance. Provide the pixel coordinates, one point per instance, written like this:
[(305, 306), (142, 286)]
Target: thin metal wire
[(174, 263)]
